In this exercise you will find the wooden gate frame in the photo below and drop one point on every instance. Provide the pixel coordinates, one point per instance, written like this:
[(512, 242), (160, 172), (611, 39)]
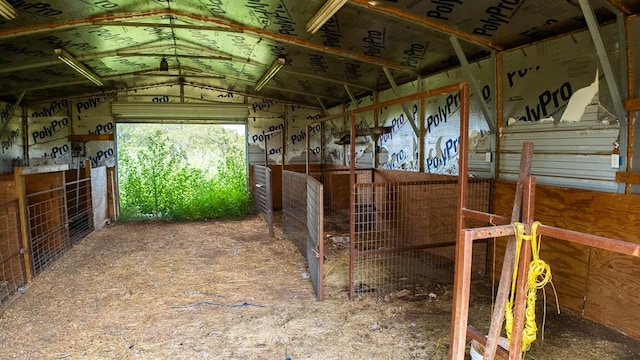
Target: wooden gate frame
[(523, 210)]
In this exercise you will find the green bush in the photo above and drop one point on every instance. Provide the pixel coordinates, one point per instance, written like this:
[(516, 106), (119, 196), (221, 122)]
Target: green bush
[(157, 180)]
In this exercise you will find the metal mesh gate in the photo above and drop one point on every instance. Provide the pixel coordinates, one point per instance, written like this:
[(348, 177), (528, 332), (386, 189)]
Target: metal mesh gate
[(302, 208), (294, 208), (12, 275), (404, 234), (48, 230), (315, 219), (262, 193), (79, 209)]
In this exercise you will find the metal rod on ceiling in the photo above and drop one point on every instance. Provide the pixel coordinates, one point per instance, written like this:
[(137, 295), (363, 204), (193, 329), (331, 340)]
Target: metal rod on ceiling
[(394, 87), (612, 81), (474, 83), (353, 98), (324, 108)]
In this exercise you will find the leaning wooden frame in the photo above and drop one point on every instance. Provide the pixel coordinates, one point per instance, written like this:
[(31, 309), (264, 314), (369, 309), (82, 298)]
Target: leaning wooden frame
[(523, 210)]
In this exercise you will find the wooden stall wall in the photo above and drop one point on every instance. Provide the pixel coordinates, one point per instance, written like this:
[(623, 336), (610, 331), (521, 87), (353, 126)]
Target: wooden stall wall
[(600, 285), (12, 270)]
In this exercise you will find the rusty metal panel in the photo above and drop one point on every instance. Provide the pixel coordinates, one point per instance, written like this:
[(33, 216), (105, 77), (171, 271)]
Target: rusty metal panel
[(405, 234)]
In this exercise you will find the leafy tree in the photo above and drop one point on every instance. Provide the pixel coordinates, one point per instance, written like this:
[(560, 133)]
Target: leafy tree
[(180, 173)]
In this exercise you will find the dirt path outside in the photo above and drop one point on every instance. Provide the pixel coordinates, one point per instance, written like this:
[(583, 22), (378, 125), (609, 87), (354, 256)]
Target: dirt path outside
[(226, 290)]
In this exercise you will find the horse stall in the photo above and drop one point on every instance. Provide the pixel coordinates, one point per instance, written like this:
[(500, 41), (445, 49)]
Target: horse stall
[(385, 232), (405, 231)]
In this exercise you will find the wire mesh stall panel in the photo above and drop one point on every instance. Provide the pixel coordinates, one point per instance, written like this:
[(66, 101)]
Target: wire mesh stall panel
[(405, 234), (12, 275), (294, 208), (315, 219), (47, 216), (262, 193), (79, 204)]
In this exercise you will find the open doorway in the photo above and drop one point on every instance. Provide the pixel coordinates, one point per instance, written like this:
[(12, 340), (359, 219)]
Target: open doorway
[(181, 171)]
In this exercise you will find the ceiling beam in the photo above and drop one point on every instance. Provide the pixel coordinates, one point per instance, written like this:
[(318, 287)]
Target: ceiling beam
[(210, 87), (72, 24), (222, 25), (620, 5), (169, 26), (47, 86), (475, 85), (192, 73), (425, 22)]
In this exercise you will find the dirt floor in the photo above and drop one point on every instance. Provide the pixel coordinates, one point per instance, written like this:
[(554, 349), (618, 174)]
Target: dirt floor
[(226, 290)]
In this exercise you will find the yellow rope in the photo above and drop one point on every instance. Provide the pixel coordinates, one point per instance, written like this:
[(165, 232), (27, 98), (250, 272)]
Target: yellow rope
[(539, 276)]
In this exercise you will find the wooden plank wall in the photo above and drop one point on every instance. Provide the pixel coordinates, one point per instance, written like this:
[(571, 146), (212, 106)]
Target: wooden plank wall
[(7, 188), (600, 285), (10, 239)]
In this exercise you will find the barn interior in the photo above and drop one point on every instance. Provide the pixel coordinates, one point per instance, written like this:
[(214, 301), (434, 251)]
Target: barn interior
[(390, 127)]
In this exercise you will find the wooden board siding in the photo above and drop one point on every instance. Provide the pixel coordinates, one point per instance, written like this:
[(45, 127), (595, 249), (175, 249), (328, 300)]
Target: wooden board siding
[(600, 285)]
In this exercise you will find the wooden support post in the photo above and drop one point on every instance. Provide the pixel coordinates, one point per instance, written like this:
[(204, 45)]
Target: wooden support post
[(87, 169), (88, 193), (462, 284), (24, 221), (464, 244), (509, 257), (519, 306)]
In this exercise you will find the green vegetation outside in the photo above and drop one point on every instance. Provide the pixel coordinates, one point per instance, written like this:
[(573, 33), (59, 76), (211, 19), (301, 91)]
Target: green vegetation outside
[(181, 172)]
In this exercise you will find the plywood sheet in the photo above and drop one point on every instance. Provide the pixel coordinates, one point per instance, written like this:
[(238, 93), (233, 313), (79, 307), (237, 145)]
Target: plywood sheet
[(561, 207), (340, 194), (613, 288), (7, 190), (406, 176), (276, 186)]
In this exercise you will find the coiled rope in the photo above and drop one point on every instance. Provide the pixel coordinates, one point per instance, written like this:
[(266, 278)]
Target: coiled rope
[(539, 276)]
